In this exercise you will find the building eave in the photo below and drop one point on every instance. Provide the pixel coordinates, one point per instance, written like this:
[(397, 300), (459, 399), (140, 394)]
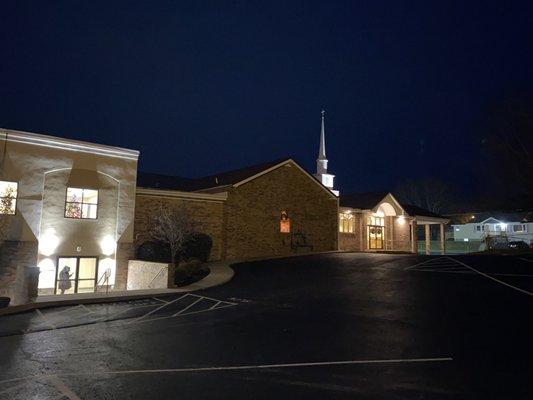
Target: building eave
[(140, 191), (67, 144)]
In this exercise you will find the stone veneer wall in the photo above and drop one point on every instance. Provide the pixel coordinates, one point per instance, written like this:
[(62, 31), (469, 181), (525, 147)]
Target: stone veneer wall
[(125, 252), (252, 220), (15, 256), (206, 214)]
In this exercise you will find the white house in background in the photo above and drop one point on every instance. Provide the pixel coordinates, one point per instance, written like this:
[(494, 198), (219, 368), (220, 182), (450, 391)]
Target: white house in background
[(513, 226)]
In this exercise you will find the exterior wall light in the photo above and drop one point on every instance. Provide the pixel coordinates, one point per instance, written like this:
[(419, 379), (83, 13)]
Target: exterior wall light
[(108, 245), (48, 242), (401, 220)]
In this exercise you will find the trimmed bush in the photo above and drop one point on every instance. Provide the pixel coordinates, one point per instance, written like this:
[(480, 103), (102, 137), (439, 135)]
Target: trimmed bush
[(4, 302), (189, 272), (197, 246), (154, 251)]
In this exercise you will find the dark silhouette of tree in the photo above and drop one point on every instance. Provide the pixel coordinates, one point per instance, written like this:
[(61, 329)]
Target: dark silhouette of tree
[(428, 193), (509, 147)]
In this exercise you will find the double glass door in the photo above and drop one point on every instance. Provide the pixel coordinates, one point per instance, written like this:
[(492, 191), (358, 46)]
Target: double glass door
[(76, 275), (376, 232)]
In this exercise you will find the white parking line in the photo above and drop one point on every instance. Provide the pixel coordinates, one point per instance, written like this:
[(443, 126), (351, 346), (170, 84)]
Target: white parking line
[(236, 367), (44, 318), (494, 279), (156, 309), (526, 260)]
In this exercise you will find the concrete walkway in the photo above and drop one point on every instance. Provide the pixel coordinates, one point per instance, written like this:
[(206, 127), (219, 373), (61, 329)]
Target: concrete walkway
[(220, 273)]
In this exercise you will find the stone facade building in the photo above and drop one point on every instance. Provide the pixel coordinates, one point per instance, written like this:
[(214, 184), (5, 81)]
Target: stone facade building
[(64, 203), (77, 211)]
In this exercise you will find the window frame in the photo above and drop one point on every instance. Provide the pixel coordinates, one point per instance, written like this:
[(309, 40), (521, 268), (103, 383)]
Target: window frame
[(81, 203), (16, 197)]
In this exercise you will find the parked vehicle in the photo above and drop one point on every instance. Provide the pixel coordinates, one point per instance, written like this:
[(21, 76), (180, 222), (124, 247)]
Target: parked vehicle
[(518, 244)]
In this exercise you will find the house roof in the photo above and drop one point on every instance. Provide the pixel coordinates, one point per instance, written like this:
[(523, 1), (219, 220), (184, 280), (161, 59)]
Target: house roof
[(518, 216), (220, 180)]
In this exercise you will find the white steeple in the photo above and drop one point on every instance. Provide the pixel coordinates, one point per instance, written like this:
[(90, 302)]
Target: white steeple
[(322, 162)]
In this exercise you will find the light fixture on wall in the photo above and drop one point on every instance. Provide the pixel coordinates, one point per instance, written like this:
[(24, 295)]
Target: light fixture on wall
[(48, 242), (108, 245), (401, 220)]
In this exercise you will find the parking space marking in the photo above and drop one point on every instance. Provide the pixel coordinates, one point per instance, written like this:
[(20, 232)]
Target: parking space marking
[(161, 300), (41, 315), (219, 304), (440, 264), (156, 309), (233, 368), (526, 260), (495, 279)]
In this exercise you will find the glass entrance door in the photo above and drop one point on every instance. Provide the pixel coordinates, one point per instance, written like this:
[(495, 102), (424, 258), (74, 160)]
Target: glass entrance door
[(76, 275), (376, 232)]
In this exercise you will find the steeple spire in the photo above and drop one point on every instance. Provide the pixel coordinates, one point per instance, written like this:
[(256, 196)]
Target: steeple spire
[(322, 162), (322, 150)]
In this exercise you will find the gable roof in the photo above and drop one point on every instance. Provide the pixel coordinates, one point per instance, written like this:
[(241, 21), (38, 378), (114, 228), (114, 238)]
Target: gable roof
[(158, 181), (364, 201), (369, 200), (217, 182)]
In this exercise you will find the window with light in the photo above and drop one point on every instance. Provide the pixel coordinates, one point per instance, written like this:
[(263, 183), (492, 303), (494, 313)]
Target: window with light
[(8, 197), (346, 223), (81, 203)]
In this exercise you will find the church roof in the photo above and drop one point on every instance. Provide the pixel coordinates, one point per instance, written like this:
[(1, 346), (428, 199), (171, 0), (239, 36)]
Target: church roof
[(222, 179), (369, 200), (364, 201)]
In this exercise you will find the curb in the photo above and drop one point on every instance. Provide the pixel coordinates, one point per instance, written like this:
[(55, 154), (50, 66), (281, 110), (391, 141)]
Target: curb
[(221, 273)]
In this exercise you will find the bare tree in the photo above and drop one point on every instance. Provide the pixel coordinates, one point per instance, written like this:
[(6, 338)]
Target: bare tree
[(172, 226), (428, 193), (509, 145)]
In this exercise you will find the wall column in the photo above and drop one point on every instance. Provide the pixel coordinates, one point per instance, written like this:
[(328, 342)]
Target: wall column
[(414, 237), (442, 240), (428, 239)]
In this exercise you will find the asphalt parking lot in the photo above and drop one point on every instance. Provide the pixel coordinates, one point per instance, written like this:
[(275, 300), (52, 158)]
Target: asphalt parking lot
[(343, 325)]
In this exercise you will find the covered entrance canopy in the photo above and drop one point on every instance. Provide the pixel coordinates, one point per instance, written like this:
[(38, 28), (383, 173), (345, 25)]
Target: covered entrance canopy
[(377, 221)]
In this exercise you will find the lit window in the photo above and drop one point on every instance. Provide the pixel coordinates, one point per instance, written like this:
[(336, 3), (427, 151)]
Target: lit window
[(376, 221), (519, 228), (346, 223), (284, 223), (8, 197), (81, 203)]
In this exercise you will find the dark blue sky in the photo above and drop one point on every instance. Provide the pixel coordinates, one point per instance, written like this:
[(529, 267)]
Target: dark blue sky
[(204, 86)]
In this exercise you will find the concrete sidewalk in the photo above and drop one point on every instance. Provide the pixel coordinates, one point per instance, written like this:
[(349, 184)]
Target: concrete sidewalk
[(221, 272)]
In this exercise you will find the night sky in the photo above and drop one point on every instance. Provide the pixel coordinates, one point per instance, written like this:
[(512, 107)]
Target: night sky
[(202, 87)]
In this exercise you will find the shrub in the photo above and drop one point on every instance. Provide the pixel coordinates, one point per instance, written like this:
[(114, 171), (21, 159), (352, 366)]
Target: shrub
[(197, 246), (189, 272), (4, 301), (154, 251)]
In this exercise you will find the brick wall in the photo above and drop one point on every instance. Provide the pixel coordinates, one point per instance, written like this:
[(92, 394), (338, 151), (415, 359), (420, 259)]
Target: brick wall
[(206, 215), (15, 256), (402, 234), (352, 241), (252, 220)]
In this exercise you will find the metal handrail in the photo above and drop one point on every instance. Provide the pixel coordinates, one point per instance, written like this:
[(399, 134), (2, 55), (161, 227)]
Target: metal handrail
[(156, 276), (105, 277)]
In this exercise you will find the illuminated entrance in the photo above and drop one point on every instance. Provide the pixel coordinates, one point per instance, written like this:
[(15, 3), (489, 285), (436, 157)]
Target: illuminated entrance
[(376, 232), (76, 275)]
